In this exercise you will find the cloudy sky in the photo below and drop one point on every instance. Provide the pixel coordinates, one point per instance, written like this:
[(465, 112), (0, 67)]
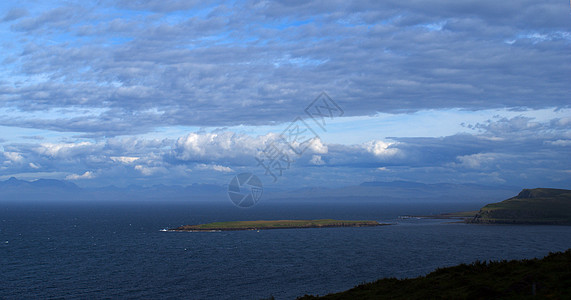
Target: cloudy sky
[(181, 92)]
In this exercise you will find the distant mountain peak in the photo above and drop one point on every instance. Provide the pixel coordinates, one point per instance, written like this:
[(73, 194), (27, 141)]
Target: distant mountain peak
[(13, 181), (40, 183), (396, 183)]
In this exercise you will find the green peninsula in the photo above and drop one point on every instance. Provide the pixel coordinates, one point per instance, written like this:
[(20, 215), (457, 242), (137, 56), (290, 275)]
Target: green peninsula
[(541, 206), (530, 206), (275, 224)]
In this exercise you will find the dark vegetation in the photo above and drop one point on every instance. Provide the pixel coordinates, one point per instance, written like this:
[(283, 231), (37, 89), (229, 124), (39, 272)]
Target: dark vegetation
[(546, 278)]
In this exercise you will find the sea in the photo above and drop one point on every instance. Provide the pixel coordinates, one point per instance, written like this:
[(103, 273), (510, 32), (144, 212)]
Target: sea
[(118, 250)]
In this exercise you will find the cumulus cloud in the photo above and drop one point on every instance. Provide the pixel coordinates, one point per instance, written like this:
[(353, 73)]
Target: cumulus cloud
[(67, 150), (316, 160), (382, 149), (563, 143), (493, 153), (107, 74), (217, 168), (86, 175), (13, 156), (318, 147), (124, 159), (149, 170), (477, 161), (220, 145)]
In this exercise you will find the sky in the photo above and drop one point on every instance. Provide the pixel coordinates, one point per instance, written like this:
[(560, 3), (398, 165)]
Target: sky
[(182, 92)]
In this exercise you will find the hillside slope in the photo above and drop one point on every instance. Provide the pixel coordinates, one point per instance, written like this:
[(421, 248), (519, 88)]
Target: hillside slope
[(530, 206), (546, 278)]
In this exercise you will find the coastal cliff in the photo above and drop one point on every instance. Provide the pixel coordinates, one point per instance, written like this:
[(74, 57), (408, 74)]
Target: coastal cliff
[(530, 206)]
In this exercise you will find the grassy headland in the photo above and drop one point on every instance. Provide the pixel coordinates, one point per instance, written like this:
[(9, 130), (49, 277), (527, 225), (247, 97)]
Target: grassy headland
[(276, 224), (539, 206), (546, 278), (530, 206)]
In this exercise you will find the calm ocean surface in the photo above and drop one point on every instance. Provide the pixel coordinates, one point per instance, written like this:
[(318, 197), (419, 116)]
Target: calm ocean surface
[(118, 251)]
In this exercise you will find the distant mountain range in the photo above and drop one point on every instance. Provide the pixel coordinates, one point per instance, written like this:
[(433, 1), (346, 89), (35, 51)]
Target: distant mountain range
[(397, 191), (401, 191), (14, 183), (57, 190)]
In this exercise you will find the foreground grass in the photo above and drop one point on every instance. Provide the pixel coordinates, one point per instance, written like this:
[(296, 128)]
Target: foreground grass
[(548, 278), (276, 224)]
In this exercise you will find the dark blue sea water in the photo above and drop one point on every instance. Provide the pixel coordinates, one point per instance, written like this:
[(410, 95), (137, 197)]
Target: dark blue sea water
[(118, 251)]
